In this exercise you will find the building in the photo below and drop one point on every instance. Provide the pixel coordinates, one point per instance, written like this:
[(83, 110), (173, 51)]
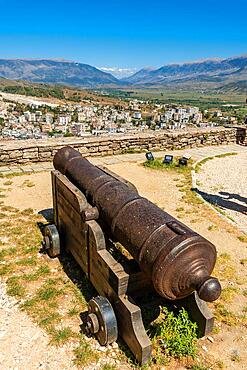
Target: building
[(137, 115)]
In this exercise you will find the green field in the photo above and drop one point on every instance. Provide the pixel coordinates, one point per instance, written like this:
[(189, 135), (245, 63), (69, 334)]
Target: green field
[(203, 100)]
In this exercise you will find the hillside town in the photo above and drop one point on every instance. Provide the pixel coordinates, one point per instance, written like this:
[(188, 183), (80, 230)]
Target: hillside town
[(25, 118)]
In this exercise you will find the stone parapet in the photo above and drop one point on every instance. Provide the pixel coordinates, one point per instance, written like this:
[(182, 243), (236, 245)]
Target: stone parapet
[(241, 135), (30, 151)]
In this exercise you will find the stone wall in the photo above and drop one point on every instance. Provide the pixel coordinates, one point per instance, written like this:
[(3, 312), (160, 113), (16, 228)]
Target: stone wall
[(241, 134), (28, 151)]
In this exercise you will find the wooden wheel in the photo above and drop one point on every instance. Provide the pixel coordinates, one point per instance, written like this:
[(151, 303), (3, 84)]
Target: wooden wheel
[(101, 320), (51, 241)]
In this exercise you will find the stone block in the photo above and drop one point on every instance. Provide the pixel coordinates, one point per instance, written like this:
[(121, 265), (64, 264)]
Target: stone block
[(30, 155), (30, 150), (93, 149), (83, 150), (4, 158), (103, 148), (15, 154), (45, 149), (45, 155)]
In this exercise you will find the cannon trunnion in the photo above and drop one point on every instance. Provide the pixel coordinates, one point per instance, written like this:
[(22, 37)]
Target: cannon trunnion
[(93, 208)]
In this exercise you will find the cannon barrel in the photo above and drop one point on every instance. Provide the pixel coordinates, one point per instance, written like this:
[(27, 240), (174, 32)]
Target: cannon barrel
[(176, 259)]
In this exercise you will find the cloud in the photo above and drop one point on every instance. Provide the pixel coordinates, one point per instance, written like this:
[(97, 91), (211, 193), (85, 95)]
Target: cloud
[(119, 72)]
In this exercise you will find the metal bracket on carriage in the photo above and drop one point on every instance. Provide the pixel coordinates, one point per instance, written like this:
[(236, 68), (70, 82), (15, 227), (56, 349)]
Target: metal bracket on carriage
[(89, 214)]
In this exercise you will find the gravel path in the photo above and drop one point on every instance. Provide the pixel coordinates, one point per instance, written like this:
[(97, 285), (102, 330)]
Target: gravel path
[(26, 345), (223, 181)]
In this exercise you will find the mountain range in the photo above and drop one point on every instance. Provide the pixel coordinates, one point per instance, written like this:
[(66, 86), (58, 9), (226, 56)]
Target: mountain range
[(55, 72), (211, 73), (221, 74)]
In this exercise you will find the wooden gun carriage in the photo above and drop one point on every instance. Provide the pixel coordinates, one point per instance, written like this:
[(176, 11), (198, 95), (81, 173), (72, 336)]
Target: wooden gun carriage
[(93, 209)]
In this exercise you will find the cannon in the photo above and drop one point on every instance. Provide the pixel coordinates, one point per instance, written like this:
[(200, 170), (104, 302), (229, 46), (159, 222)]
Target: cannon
[(93, 210)]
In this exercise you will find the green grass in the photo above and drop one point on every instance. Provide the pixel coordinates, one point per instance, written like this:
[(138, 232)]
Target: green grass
[(49, 319), (235, 357), (108, 367), (176, 335), (157, 164), (6, 269), (43, 295), (61, 336), (8, 183), (14, 287), (73, 311), (29, 261), (29, 278), (212, 228), (225, 268), (7, 252), (218, 209), (229, 293), (228, 317), (84, 354), (208, 100), (5, 208), (28, 183), (48, 292), (42, 271), (242, 238), (14, 174), (225, 155)]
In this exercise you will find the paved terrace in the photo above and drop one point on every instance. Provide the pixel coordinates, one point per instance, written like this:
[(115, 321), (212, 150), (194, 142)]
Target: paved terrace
[(210, 183)]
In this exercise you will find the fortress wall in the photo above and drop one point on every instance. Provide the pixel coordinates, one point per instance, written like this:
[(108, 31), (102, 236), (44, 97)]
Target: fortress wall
[(29, 151)]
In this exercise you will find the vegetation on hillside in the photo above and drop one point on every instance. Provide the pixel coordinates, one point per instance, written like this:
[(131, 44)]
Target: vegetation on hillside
[(40, 92)]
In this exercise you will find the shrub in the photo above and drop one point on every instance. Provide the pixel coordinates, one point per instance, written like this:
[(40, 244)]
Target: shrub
[(176, 335)]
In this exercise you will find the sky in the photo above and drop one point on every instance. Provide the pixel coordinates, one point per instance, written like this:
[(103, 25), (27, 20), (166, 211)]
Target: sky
[(126, 34)]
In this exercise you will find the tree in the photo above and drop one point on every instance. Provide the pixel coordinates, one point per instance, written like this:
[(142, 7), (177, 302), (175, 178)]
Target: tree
[(74, 117)]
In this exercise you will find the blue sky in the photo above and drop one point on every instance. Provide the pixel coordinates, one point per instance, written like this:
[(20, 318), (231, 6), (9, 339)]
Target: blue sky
[(123, 33)]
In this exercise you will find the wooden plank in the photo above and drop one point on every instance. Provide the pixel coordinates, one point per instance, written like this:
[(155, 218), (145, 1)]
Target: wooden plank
[(71, 193), (104, 269), (105, 276), (72, 231), (65, 206), (54, 195), (131, 328)]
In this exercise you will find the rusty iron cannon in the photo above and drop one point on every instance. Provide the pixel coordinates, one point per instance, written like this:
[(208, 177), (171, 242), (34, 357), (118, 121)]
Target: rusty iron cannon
[(93, 208)]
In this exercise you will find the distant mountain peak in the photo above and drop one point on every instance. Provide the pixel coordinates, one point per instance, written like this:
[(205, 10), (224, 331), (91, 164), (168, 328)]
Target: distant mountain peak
[(56, 72), (119, 72), (204, 73)]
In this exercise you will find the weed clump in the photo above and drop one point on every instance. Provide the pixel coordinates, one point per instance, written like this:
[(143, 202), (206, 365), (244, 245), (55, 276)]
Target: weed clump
[(84, 354), (242, 238), (14, 288), (176, 335), (157, 164), (60, 336)]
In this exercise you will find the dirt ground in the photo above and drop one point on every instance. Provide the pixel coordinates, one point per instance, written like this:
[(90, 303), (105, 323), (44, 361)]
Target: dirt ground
[(224, 184), (28, 191), (227, 345)]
